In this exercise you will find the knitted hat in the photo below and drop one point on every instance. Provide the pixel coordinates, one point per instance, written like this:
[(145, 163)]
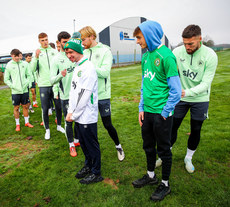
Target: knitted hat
[(76, 35), (74, 44)]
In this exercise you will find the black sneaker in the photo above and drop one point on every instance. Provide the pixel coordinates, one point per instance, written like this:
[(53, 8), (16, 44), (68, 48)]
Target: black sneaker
[(160, 192), (91, 178), (145, 180), (83, 172)]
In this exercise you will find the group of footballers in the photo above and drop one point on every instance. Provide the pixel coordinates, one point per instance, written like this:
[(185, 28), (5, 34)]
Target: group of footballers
[(77, 78)]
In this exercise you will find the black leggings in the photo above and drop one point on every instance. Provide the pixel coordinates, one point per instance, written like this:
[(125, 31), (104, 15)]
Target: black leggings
[(107, 122), (194, 137), (45, 96)]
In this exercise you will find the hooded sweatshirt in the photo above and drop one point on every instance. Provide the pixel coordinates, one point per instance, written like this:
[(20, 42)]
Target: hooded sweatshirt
[(161, 88), (42, 65), (17, 76)]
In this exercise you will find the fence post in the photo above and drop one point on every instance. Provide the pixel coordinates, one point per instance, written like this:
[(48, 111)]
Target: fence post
[(118, 59), (135, 52)]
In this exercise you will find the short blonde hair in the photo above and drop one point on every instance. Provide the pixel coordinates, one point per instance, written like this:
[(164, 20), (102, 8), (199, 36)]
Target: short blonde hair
[(87, 32)]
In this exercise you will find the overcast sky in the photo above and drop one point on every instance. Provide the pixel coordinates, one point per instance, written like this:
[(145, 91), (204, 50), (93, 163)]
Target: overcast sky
[(22, 20)]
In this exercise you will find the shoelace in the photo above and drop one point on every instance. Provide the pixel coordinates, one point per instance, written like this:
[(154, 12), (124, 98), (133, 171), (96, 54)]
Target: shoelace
[(160, 188), (119, 150)]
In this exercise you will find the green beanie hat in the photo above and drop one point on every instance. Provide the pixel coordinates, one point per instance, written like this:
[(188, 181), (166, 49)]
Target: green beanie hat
[(74, 44)]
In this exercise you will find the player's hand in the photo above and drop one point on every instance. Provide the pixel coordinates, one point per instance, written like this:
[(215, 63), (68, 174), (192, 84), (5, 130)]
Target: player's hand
[(57, 97), (38, 51), (63, 72), (68, 117), (183, 93), (141, 118)]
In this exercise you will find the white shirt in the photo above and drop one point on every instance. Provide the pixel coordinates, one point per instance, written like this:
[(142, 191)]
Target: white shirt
[(83, 96)]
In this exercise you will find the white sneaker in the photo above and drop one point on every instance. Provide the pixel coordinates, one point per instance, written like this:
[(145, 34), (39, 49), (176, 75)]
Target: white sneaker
[(188, 165), (120, 154), (50, 112), (158, 163), (60, 129), (47, 134)]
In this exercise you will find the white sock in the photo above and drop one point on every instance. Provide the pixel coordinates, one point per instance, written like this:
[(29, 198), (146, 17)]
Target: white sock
[(166, 182), (47, 130), (59, 126), (76, 140), (71, 144), (26, 119), (34, 102), (189, 153), (151, 174), (17, 121), (118, 146)]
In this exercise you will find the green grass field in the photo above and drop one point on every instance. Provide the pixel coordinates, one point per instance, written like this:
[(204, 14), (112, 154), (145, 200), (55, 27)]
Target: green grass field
[(36, 172)]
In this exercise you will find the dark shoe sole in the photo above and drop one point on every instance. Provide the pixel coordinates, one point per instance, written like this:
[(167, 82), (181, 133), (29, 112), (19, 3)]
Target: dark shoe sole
[(160, 199), (93, 181), (140, 186), (82, 176)]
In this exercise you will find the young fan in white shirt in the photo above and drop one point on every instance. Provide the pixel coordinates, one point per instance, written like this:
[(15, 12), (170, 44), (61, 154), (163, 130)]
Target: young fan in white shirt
[(83, 109)]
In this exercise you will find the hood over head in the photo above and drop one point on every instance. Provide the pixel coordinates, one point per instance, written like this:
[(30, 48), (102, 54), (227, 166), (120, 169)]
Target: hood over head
[(153, 34)]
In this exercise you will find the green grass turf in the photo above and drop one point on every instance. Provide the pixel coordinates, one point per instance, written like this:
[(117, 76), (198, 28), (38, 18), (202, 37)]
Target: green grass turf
[(37, 172)]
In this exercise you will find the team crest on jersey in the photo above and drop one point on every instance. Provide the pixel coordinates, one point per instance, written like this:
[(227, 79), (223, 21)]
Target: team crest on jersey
[(200, 63), (79, 73), (97, 56), (157, 62)]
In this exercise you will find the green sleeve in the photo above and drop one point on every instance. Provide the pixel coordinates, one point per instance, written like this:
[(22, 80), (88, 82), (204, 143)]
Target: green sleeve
[(33, 63), (55, 76), (208, 76), (28, 77), (55, 90), (104, 70), (170, 67), (7, 79)]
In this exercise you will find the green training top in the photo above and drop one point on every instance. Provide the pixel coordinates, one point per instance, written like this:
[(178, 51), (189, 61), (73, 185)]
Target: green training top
[(61, 84), (196, 72), (101, 57), (42, 65), (17, 77)]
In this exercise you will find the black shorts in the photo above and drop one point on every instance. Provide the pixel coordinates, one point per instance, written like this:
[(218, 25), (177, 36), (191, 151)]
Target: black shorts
[(104, 107), (18, 99), (33, 85), (198, 110)]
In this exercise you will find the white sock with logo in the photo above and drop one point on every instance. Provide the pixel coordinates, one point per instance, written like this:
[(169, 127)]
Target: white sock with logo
[(17, 121), (26, 119), (76, 140), (166, 182), (118, 146), (189, 153), (151, 174), (71, 144)]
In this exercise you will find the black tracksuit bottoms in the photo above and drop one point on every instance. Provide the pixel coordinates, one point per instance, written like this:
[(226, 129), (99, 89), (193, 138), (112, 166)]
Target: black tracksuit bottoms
[(87, 134), (157, 132)]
